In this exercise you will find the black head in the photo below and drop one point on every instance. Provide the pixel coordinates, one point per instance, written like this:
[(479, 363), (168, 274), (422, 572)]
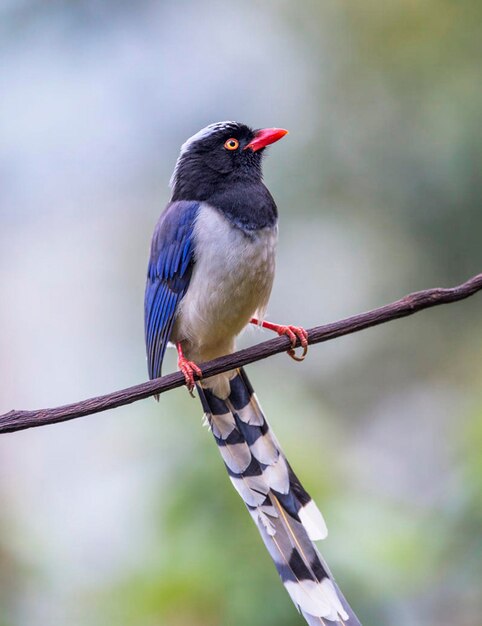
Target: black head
[(220, 156)]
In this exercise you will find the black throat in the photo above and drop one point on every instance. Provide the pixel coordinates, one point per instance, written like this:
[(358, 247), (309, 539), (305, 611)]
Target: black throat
[(247, 206)]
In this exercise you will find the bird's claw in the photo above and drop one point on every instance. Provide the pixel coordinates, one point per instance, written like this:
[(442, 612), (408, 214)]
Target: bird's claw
[(295, 334), (189, 369)]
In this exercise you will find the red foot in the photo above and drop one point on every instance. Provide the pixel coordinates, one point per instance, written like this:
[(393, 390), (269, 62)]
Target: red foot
[(294, 333), (188, 368)]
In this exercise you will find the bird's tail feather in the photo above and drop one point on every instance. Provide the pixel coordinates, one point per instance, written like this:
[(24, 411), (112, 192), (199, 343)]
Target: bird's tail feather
[(287, 518)]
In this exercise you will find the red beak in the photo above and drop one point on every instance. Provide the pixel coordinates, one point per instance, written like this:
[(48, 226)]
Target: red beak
[(265, 137)]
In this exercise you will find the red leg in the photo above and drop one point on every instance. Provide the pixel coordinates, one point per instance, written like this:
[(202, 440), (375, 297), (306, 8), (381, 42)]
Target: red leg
[(188, 368), (294, 333)]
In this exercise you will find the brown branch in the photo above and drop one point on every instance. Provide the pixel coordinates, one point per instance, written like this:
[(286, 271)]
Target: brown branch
[(19, 420)]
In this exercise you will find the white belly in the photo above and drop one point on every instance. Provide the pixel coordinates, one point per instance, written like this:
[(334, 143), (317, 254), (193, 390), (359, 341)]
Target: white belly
[(231, 283)]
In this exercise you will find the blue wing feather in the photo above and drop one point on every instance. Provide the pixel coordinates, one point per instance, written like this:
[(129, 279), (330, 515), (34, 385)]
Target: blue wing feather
[(168, 275)]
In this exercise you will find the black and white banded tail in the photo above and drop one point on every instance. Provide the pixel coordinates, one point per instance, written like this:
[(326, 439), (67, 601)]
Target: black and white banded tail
[(287, 518)]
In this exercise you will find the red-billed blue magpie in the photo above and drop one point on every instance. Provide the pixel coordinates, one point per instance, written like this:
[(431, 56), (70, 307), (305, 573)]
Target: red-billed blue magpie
[(210, 274)]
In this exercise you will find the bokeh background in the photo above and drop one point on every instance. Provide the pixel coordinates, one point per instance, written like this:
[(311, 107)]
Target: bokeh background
[(127, 517)]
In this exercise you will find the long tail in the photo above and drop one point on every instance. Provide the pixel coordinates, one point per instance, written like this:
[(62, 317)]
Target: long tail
[(287, 518)]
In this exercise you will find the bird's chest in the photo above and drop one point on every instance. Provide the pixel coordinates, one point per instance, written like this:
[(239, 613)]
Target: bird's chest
[(232, 278)]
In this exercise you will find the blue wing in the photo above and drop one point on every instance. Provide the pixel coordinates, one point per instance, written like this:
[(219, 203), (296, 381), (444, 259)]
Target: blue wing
[(168, 275)]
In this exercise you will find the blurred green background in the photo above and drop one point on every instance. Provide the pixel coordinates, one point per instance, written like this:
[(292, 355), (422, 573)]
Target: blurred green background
[(128, 517)]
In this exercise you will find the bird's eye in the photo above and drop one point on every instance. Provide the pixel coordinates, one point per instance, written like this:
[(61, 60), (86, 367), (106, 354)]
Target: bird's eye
[(231, 144)]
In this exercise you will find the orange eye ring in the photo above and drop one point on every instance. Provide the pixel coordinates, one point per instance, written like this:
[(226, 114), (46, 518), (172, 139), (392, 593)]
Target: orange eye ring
[(231, 144)]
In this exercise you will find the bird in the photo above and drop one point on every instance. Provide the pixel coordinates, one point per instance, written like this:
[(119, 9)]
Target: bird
[(210, 275)]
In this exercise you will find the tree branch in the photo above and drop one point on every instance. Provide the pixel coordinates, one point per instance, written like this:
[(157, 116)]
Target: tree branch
[(410, 304)]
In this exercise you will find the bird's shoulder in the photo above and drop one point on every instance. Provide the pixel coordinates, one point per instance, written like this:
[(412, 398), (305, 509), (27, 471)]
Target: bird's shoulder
[(172, 241)]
